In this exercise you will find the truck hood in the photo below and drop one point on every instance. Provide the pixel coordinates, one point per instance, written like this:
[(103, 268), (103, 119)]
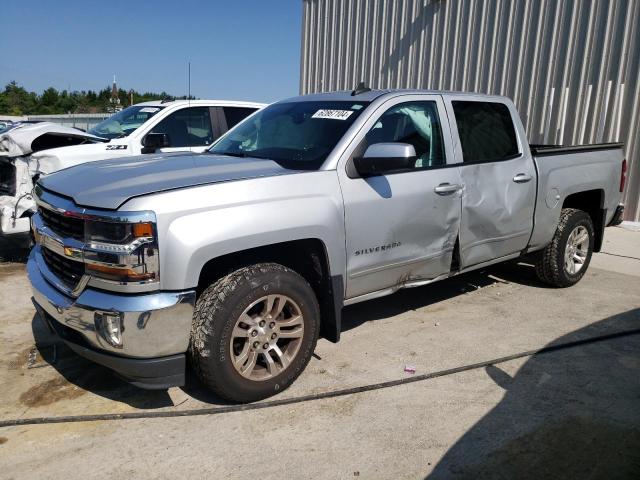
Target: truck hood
[(110, 183), (29, 138)]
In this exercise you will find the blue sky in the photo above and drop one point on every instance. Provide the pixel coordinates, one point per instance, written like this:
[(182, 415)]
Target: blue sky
[(238, 49)]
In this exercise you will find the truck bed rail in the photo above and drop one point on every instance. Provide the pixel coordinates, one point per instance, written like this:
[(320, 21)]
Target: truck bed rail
[(544, 150)]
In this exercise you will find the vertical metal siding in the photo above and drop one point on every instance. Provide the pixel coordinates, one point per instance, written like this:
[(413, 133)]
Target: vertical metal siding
[(571, 67)]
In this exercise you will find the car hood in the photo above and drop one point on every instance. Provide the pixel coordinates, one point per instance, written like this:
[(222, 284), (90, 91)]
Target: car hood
[(110, 183), (29, 138)]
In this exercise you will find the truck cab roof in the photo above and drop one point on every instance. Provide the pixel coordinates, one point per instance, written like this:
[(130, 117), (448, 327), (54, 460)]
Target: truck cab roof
[(203, 103), (371, 95)]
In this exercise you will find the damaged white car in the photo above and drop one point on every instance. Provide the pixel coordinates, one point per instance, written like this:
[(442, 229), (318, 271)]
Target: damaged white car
[(32, 150), (19, 168)]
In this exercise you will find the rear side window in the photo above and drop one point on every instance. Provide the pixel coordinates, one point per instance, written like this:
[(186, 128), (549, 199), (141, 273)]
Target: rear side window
[(235, 115), (486, 131)]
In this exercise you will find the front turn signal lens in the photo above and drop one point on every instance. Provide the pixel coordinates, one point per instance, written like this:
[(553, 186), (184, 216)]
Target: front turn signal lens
[(142, 230)]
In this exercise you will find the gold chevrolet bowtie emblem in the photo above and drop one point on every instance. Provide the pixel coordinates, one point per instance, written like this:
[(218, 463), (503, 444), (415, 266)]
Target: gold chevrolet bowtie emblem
[(72, 252)]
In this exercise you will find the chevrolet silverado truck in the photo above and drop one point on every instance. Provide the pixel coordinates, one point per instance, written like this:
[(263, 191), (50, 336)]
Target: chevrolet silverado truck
[(238, 258), (31, 150)]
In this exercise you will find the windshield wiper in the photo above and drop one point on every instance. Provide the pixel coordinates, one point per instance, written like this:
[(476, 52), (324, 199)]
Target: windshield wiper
[(233, 154), (239, 155)]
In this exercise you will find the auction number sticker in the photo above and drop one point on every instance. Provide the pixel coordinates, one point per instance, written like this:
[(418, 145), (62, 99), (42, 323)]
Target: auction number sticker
[(333, 114)]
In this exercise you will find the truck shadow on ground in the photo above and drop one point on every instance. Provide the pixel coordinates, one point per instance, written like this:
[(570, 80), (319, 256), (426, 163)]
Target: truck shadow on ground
[(573, 413), (89, 376)]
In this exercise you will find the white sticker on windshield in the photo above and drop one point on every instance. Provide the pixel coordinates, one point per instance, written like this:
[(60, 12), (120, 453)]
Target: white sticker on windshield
[(333, 114), (149, 110)]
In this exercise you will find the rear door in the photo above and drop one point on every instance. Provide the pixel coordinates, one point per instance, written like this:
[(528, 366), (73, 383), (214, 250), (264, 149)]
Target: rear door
[(224, 119), (498, 175), (234, 115), (401, 227)]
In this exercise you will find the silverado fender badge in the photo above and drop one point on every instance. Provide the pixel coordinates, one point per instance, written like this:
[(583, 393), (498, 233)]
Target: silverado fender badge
[(379, 248)]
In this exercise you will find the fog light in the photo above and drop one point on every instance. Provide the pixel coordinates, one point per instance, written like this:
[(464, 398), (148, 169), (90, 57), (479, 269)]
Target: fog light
[(109, 326)]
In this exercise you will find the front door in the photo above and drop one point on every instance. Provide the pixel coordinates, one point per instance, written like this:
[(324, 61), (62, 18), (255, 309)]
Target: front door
[(498, 178), (188, 129), (402, 227)]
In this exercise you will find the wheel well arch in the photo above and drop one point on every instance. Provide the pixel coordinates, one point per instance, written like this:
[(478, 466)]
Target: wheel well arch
[(307, 257), (591, 202)]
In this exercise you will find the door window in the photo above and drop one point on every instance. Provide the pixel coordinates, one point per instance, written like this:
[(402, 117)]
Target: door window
[(235, 115), (189, 127), (415, 123), (486, 131)]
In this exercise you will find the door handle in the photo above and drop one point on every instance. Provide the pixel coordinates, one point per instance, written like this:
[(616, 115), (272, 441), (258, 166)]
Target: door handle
[(446, 189), (522, 178)]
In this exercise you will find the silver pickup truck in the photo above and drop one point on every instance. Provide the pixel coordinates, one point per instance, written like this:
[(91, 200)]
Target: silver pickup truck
[(239, 258)]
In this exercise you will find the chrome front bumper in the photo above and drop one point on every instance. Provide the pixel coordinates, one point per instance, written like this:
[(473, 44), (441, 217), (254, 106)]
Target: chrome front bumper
[(154, 324)]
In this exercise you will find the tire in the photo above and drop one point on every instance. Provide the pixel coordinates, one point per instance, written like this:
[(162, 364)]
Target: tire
[(216, 349), (551, 267)]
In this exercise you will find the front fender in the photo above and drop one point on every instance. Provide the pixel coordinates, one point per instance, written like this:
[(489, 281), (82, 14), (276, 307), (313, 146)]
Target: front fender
[(196, 225)]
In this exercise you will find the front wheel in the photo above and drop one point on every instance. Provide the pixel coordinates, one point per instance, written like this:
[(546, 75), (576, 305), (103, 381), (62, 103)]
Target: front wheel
[(254, 332), (565, 260)]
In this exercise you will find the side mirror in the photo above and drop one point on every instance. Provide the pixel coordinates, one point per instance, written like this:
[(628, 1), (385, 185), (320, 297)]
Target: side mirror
[(154, 141), (381, 158)]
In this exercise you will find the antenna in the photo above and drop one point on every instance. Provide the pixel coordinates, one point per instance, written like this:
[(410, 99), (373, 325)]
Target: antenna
[(189, 95), (360, 88)]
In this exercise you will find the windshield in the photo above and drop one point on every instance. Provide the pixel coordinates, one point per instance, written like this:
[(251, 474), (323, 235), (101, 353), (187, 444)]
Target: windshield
[(298, 135), (124, 122)]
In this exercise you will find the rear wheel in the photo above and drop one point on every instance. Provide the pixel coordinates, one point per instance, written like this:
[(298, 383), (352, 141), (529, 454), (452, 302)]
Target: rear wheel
[(254, 331), (565, 260)]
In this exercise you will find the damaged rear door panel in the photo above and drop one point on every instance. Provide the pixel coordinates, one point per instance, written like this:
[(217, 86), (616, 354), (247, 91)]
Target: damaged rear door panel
[(499, 179)]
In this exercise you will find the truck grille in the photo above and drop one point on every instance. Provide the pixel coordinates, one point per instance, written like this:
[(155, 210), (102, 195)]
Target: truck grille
[(69, 271), (63, 225), (7, 178)]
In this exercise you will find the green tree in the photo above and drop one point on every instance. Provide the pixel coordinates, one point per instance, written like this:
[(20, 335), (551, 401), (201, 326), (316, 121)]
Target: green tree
[(15, 100), (49, 99)]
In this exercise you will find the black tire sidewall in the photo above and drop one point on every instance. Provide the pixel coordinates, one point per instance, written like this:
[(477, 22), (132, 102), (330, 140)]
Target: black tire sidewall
[(284, 282), (576, 219)]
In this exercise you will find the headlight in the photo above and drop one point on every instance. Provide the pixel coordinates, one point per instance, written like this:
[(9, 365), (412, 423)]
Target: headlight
[(118, 233), (122, 252)]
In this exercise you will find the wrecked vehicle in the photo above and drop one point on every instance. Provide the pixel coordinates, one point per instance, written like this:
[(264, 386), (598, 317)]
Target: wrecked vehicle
[(238, 258), (18, 170), (29, 151)]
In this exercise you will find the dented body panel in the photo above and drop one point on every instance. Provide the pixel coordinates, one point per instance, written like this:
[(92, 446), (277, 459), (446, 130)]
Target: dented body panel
[(396, 231), (20, 164), (497, 212)]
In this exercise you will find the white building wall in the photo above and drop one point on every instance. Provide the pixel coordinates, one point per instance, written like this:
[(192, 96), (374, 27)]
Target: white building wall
[(571, 66)]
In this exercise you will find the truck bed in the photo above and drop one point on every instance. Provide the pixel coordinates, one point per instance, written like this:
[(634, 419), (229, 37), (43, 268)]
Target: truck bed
[(566, 170)]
